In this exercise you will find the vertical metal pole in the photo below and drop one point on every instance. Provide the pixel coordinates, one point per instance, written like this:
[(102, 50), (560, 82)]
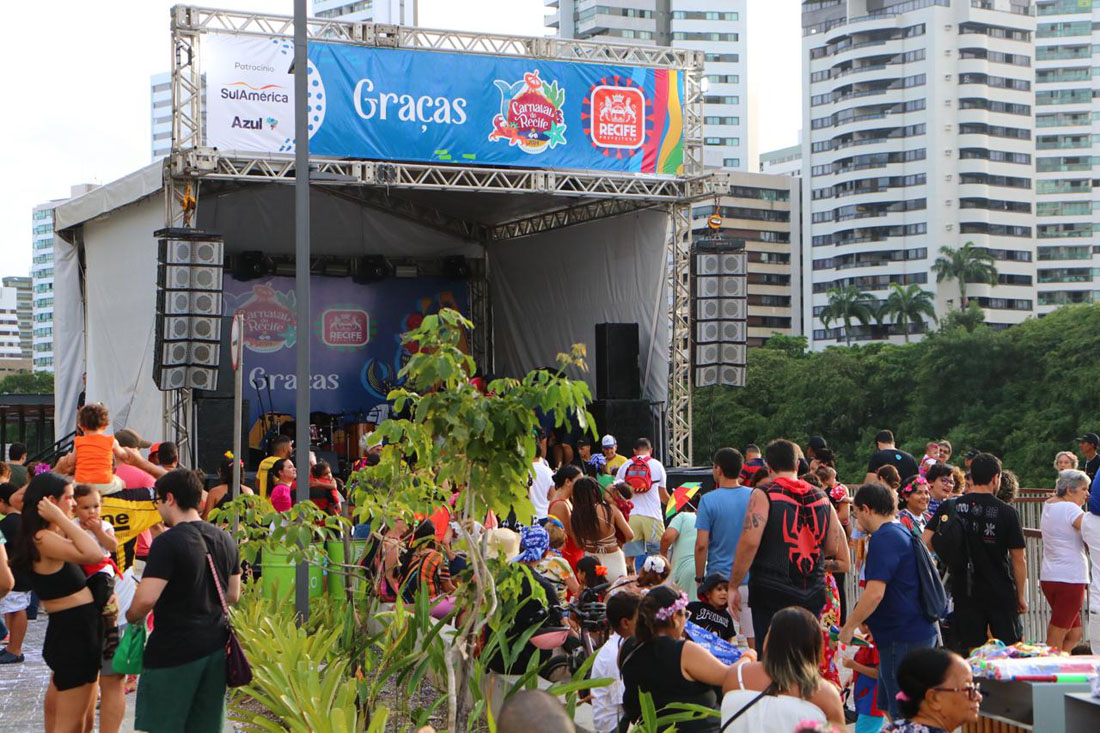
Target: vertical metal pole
[(301, 282), (238, 404)]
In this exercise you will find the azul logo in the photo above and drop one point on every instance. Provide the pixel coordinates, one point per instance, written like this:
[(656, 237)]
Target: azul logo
[(248, 124), (531, 114), (618, 117)]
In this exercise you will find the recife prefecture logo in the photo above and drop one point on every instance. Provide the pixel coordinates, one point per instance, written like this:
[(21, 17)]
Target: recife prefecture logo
[(530, 114)]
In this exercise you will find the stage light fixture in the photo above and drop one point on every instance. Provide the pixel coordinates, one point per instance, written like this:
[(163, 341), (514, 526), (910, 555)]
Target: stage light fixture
[(456, 267), (252, 264), (370, 268)]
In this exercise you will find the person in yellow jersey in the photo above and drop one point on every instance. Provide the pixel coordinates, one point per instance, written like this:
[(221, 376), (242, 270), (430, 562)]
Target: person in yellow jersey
[(281, 447), (609, 447)]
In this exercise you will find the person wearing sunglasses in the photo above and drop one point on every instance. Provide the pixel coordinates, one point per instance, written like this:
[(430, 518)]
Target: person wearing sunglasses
[(937, 693)]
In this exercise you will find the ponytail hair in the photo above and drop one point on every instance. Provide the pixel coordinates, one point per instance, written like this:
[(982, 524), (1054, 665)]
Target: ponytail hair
[(920, 671), (657, 599)]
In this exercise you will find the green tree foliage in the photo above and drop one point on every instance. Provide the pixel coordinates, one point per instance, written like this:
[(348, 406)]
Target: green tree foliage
[(1022, 394), (25, 382), (967, 264), (905, 305), (846, 304)]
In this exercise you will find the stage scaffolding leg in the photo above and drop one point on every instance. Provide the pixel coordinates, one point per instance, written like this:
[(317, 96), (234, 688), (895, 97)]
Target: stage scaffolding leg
[(481, 343), (679, 388)]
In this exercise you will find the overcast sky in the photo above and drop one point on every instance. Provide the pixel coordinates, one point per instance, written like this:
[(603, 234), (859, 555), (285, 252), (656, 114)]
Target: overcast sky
[(76, 77)]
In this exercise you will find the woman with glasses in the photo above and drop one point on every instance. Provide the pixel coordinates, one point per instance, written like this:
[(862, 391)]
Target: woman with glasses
[(938, 693), (941, 485)]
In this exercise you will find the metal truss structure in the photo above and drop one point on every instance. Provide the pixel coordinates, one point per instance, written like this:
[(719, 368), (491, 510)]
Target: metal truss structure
[(398, 187)]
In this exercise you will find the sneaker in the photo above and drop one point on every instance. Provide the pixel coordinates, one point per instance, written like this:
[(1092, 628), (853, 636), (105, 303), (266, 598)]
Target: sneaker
[(7, 657)]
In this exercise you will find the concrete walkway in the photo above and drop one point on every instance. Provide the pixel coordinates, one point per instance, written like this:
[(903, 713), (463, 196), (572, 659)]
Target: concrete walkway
[(23, 687)]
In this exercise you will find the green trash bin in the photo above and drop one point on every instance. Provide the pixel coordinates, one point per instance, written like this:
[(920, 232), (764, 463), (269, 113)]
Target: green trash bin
[(334, 549), (277, 580)]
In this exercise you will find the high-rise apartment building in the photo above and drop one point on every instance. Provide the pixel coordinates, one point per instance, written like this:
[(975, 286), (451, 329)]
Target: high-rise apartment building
[(398, 12), (715, 27), (24, 299), (783, 161), (919, 133), (761, 213), (10, 347), (1068, 263), (160, 96), (42, 278)]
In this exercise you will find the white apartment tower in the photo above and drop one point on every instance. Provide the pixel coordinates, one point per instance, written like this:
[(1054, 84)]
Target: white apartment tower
[(398, 12), (715, 27), (919, 134), (160, 98), (42, 278), (1067, 260)]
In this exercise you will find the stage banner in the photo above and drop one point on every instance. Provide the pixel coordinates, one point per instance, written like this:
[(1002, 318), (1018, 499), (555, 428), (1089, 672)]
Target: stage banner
[(439, 107), (355, 338)]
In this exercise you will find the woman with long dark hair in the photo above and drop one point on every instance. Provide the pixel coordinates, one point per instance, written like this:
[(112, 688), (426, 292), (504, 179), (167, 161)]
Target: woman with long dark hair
[(51, 548), (786, 686), (561, 507), (659, 661), (594, 523), (220, 494)]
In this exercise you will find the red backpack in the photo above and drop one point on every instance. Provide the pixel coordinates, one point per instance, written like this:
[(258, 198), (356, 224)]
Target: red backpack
[(637, 475)]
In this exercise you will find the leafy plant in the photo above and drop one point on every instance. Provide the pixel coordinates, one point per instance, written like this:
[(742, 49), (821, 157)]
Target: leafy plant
[(464, 450), (666, 719), (907, 305), (846, 304)]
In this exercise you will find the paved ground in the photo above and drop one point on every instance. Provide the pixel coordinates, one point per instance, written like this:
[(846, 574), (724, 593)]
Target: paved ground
[(23, 687)]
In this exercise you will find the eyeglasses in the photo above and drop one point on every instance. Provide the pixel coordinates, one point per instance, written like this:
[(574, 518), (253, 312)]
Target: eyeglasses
[(973, 691)]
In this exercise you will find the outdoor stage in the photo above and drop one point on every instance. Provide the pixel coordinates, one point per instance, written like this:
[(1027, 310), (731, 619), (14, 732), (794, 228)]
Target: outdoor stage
[(551, 251)]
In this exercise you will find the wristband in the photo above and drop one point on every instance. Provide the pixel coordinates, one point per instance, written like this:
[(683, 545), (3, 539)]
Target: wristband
[(698, 580)]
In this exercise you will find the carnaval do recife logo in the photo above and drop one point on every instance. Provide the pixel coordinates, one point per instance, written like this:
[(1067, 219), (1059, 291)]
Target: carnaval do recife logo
[(530, 114)]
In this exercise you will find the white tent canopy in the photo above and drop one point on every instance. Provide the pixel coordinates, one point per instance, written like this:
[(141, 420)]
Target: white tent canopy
[(547, 290)]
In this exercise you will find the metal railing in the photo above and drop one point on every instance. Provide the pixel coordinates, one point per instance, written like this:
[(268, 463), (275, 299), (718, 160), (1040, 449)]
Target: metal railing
[(1029, 505)]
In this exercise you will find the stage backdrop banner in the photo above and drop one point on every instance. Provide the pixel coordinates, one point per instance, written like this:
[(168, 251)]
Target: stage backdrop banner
[(440, 107), (355, 338)]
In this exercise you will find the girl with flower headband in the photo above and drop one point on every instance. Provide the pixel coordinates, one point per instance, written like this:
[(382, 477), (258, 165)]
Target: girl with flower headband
[(913, 499), (659, 661)]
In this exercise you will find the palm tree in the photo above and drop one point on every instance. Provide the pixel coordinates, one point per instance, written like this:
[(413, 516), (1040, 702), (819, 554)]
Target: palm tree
[(907, 305), (846, 304), (967, 264)]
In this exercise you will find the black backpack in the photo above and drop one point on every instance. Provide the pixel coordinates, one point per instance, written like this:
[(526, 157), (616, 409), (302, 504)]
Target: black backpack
[(930, 591), (949, 536)]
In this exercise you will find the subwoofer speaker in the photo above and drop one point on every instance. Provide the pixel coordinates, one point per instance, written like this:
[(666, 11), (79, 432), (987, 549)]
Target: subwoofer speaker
[(215, 431), (617, 374), (627, 420)]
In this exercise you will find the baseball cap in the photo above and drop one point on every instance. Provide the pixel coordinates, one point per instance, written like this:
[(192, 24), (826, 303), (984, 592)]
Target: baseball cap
[(971, 453), (128, 438), (153, 450), (817, 443), (711, 582), (1089, 438), (608, 441)]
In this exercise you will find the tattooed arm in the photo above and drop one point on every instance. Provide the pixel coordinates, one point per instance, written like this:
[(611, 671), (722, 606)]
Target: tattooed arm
[(756, 516)]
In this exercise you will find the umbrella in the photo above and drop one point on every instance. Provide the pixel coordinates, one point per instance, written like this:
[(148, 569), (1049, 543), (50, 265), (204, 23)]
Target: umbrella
[(681, 496)]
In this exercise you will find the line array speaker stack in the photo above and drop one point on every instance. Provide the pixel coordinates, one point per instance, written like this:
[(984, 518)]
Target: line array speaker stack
[(617, 373), (189, 309), (719, 313)]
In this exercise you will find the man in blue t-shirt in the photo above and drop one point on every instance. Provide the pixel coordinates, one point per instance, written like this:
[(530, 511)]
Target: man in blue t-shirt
[(718, 526), (890, 603)]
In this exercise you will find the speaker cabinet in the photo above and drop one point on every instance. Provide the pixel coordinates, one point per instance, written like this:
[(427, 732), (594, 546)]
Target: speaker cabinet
[(627, 420), (215, 430), (617, 373)]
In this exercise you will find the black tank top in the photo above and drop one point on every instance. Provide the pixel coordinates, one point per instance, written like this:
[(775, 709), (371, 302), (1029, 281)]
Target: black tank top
[(791, 551), (66, 581), (654, 667)]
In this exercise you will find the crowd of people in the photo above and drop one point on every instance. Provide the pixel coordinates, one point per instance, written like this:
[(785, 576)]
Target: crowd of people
[(759, 563)]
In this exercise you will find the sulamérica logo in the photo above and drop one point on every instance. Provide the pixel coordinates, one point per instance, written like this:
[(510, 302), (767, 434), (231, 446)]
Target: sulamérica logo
[(530, 114)]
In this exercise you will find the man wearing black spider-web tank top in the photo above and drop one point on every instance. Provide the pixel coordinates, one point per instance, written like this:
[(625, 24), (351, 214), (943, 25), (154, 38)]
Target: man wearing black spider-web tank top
[(791, 537)]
